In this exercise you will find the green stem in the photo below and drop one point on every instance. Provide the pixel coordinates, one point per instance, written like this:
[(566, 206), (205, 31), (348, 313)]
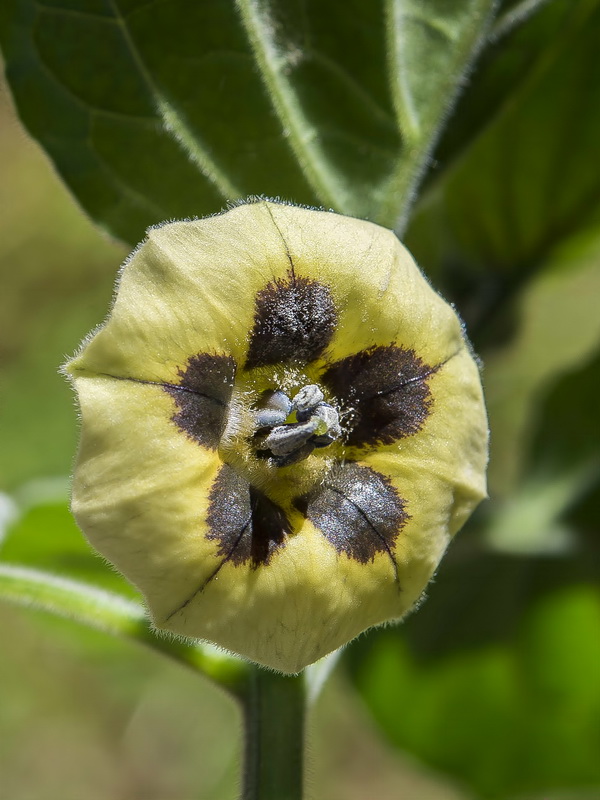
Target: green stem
[(113, 614), (274, 709)]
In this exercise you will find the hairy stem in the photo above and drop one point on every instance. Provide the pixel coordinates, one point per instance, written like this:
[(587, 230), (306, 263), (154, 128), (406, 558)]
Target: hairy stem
[(274, 710), (110, 613)]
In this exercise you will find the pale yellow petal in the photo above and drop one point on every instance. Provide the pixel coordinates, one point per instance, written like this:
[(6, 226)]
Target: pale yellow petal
[(140, 489), (380, 294), (440, 471), (188, 288), (307, 602)]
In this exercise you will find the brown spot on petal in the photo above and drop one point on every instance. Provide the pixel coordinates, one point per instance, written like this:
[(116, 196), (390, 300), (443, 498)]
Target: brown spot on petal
[(247, 525), (386, 389), (202, 397), (358, 511), (294, 320)]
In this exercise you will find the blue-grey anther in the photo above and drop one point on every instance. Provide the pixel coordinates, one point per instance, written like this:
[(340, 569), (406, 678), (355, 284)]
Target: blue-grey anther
[(286, 439), (308, 397), (316, 424), (275, 410)]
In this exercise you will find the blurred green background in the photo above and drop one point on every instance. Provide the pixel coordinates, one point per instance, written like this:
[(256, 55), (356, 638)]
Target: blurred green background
[(491, 690)]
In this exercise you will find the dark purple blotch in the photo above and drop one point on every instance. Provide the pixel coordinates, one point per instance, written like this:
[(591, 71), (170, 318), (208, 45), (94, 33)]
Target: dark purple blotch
[(384, 391), (246, 524), (202, 396), (358, 511), (294, 321), (247, 527)]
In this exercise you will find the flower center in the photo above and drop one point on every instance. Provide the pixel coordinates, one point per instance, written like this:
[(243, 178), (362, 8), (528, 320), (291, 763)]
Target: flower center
[(288, 430)]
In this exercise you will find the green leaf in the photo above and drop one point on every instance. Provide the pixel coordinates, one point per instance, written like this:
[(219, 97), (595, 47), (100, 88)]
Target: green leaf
[(57, 277), (559, 329), (517, 44), (45, 536), (564, 461), (528, 179), (152, 111), (430, 46), (507, 716), (566, 431), (114, 615), (543, 409), (567, 445), (514, 14), (479, 598)]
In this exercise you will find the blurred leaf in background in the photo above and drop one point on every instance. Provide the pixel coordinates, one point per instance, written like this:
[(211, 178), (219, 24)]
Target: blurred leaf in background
[(151, 111), (57, 277), (533, 699), (175, 108)]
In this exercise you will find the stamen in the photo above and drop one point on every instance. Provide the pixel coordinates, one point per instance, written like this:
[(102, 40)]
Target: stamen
[(316, 424), (329, 428), (284, 439), (308, 398), (275, 409)]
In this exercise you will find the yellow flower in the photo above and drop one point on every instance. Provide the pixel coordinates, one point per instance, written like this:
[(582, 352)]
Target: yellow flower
[(282, 427)]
